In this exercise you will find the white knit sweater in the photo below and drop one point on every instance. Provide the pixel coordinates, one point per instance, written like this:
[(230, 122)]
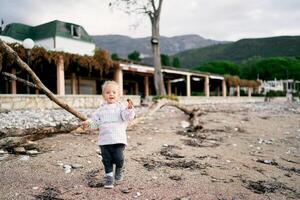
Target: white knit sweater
[(112, 120)]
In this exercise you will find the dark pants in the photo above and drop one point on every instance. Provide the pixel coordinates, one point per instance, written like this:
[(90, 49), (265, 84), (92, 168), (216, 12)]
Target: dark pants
[(112, 154)]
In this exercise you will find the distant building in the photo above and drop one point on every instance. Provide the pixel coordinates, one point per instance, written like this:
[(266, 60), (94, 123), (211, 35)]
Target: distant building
[(288, 86), (55, 35)]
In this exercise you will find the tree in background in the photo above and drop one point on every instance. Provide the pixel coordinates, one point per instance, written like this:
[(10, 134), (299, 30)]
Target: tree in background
[(249, 69), (219, 67), (176, 62), (134, 56), (271, 68), (152, 9), (114, 56), (165, 60)]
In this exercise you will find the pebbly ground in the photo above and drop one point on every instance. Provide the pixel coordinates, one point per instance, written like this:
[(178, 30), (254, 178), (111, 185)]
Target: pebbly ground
[(244, 151)]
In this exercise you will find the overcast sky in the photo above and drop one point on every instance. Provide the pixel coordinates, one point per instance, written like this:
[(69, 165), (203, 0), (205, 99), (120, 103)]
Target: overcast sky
[(213, 19)]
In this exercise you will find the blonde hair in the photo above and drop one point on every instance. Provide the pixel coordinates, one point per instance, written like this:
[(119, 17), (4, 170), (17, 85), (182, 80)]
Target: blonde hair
[(114, 83)]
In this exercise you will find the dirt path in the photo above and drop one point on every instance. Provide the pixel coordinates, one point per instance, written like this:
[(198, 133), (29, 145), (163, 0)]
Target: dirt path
[(245, 151)]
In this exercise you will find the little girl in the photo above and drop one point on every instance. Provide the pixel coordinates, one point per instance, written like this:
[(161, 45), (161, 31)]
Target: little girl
[(112, 117)]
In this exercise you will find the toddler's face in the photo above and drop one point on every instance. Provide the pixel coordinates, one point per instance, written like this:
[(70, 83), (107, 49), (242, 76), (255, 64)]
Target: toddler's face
[(111, 93)]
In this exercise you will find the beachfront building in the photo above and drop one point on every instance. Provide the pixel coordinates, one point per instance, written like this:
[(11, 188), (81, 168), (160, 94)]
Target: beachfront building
[(137, 79), (55, 36)]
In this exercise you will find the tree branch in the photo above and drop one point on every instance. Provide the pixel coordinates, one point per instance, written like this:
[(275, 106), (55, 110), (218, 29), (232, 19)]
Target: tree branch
[(14, 77)]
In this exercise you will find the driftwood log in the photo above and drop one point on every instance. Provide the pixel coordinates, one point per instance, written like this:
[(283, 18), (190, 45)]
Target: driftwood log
[(10, 138)]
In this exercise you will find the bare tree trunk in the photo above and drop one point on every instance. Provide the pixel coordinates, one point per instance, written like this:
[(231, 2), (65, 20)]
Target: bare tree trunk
[(39, 84), (155, 42)]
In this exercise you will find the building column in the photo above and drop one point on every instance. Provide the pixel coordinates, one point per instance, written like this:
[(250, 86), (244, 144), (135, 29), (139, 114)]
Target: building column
[(224, 88), (188, 85), (249, 91), (73, 84), (119, 79), (169, 88), (136, 88), (60, 74), (206, 86), (13, 82), (238, 91), (146, 85)]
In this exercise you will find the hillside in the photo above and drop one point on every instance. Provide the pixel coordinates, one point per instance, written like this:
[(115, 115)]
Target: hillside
[(124, 45), (242, 49)]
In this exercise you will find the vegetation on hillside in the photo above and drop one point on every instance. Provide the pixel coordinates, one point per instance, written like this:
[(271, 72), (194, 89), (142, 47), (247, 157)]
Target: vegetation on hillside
[(271, 68), (285, 46), (219, 67), (254, 68)]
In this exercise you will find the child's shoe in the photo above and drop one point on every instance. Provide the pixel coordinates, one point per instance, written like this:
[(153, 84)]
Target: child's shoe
[(108, 182)]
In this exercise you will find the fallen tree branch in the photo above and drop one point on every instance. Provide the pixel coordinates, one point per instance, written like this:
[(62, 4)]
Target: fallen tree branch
[(15, 78), (194, 114)]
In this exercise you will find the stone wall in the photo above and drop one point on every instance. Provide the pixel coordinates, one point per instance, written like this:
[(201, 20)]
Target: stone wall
[(16, 102), (230, 99)]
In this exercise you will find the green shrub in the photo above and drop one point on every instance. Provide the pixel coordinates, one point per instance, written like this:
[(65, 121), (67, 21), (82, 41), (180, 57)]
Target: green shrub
[(275, 94)]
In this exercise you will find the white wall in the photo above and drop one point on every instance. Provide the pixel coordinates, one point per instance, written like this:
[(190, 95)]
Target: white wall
[(74, 46), (9, 39), (47, 43), (20, 101), (62, 44)]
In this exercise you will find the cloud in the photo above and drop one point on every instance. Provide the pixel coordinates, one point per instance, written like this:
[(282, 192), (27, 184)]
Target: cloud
[(216, 19)]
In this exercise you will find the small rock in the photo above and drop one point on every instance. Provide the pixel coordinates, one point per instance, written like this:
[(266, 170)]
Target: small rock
[(126, 190), (2, 151), (77, 166), (30, 145), (67, 169), (19, 150), (185, 124), (24, 158), (137, 195), (32, 152)]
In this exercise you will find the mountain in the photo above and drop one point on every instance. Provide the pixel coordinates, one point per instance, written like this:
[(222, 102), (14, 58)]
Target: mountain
[(124, 45), (241, 50)]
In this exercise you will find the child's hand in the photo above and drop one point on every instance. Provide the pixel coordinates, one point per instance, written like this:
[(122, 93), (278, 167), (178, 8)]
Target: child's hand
[(130, 104), (84, 124)]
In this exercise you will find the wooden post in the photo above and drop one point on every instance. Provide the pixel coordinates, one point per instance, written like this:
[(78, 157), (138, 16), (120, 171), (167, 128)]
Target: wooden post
[(73, 84), (60, 73), (136, 88), (238, 91), (119, 79), (188, 85), (206, 86), (224, 88), (169, 88), (13, 82), (146, 85), (249, 91)]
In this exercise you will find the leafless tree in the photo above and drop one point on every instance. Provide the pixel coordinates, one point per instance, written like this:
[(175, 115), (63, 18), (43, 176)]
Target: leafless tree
[(152, 9)]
